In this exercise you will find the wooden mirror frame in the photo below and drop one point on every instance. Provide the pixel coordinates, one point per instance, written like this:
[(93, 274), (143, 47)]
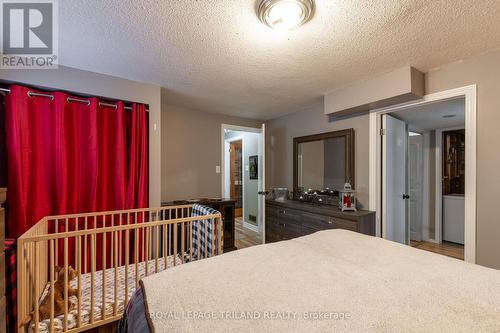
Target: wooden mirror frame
[(349, 149)]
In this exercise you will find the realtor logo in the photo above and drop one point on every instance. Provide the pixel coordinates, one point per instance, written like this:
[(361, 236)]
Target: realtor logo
[(29, 34)]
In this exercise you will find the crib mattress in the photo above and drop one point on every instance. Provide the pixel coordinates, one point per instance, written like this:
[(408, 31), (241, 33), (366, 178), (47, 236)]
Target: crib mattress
[(108, 306)]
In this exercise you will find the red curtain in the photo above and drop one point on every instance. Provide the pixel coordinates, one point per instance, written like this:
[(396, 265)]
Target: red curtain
[(69, 157)]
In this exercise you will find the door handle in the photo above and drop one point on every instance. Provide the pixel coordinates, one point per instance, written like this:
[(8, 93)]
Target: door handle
[(406, 196)]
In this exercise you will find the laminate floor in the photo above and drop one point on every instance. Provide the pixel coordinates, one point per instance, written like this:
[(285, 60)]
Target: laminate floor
[(446, 248), (245, 237)]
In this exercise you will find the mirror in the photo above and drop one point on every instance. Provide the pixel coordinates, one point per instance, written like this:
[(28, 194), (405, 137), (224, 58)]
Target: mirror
[(324, 161)]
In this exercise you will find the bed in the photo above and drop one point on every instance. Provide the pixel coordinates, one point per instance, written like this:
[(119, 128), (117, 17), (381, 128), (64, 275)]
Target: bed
[(334, 280)]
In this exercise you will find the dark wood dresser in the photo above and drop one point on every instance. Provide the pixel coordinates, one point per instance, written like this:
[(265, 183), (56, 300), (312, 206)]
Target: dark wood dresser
[(227, 209), (291, 219)]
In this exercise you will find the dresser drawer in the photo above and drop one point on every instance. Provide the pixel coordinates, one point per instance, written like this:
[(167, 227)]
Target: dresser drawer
[(282, 214), (322, 222), (281, 229)]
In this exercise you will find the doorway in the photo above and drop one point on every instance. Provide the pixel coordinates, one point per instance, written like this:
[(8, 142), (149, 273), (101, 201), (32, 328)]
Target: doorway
[(236, 174), (410, 205), (243, 179)]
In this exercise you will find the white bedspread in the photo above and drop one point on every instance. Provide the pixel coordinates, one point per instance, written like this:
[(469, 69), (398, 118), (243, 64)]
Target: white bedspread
[(329, 281)]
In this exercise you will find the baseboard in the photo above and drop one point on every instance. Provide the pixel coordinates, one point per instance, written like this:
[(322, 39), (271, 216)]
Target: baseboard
[(250, 226)]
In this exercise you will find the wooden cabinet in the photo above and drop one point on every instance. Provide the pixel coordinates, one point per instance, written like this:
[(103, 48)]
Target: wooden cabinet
[(291, 219), (227, 210)]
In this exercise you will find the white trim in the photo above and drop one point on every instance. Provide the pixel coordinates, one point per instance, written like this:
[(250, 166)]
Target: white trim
[(374, 200), (438, 205), (470, 93), (250, 226), (262, 198), (426, 188), (383, 143)]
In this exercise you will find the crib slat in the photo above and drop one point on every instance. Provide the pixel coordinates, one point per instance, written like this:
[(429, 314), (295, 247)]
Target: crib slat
[(147, 248), (157, 240), (37, 291), (143, 245), (183, 240), (221, 235), (92, 276), (115, 251), (127, 248), (205, 225), (212, 238), (52, 264), (175, 243), (79, 272), (136, 254), (120, 242), (164, 245), (57, 242), (190, 240), (66, 282), (85, 248), (112, 240), (198, 239), (104, 255)]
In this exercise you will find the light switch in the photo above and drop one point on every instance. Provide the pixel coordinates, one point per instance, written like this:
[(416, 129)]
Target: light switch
[(217, 169), (247, 168)]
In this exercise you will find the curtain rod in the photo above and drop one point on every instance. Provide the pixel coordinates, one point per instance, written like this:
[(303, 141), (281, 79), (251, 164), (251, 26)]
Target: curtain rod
[(71, 99)]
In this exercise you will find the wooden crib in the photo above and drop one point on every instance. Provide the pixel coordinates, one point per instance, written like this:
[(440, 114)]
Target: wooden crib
[(111, 252)]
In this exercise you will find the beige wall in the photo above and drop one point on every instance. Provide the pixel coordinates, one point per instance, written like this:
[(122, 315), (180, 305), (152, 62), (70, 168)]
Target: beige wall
[(191, 149), (484, 71), (281, 131), (90, 83)]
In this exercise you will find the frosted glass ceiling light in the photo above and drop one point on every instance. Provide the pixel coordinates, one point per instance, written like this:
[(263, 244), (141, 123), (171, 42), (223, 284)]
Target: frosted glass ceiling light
[(285, 14)]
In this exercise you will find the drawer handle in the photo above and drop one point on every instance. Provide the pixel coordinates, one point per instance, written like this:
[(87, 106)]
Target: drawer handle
[(331, 221), (283, 211), (282, 224)]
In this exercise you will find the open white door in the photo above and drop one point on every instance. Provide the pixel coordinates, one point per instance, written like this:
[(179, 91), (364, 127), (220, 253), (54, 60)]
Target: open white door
[(262, 182), (394, 194)]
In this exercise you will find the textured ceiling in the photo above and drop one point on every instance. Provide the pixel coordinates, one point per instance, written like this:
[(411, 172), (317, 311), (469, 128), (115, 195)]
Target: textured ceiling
[(215, 55), (430, 116)]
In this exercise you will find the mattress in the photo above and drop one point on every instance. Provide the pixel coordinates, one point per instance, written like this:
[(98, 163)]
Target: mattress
[(330, 281), (108, 306)]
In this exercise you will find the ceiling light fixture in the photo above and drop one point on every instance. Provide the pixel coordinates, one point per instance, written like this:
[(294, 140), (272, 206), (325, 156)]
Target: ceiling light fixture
[(285, 14)]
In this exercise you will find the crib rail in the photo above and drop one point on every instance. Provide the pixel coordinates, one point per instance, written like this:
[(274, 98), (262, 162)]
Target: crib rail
[(113, 250)]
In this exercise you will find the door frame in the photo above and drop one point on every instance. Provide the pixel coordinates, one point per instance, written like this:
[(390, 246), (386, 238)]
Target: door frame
[(257, 130), (375, 159)]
